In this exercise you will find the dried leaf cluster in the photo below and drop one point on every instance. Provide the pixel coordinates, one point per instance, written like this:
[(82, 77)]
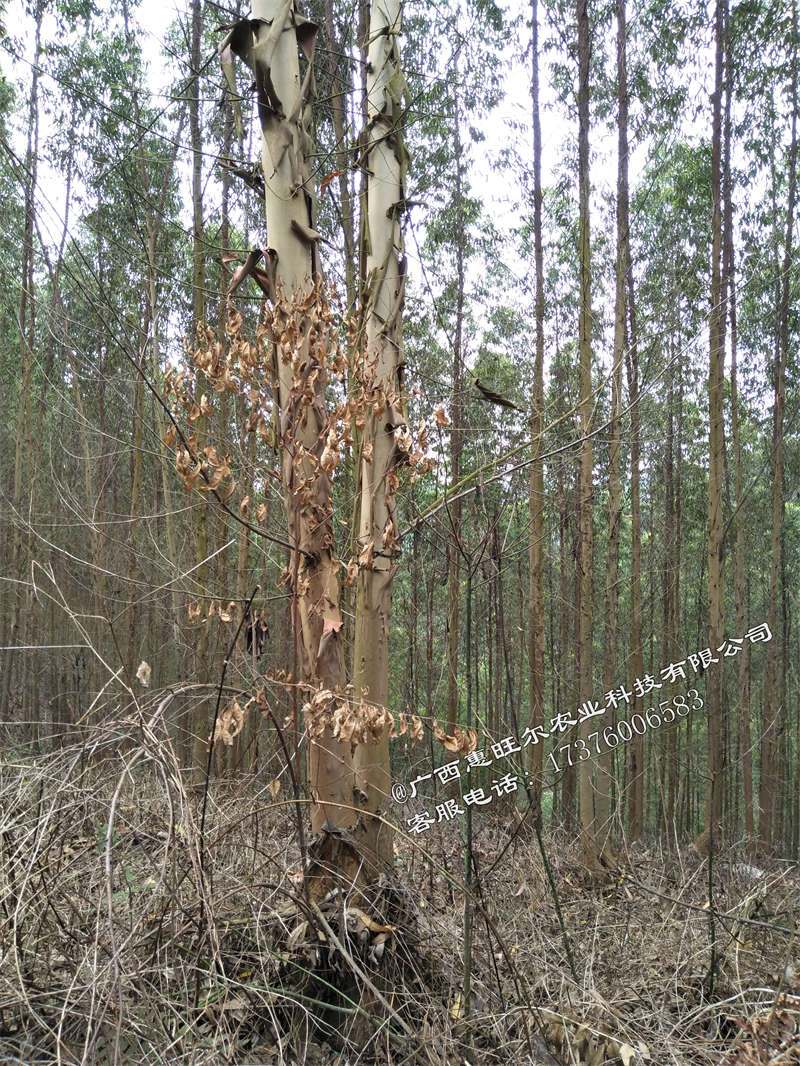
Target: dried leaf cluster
[(225, 614), (231, 722), (302, 333), (462, 741), (362, 723)]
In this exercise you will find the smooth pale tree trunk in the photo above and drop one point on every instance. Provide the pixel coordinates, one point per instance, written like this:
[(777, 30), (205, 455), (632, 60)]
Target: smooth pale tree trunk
[(536, 488), (716, 445), (586, 561), (270, 43), (383, 435)]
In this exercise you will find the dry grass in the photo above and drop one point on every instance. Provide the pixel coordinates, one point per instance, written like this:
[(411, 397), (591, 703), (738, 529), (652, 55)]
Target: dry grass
[(126, 938)]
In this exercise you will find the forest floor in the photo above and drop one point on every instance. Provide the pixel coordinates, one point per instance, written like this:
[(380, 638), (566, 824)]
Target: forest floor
[(128, 936)]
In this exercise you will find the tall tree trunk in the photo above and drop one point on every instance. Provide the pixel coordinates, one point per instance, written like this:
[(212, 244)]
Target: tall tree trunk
[(729, 265), (585, 540), (270, 43), (340, 91), (606, 762), (774, 711), (290, 215), (675, 746), (17, 631), (536, 489), (716, 445), (381, 452), (635, 779), (670, 739), (456, 438), (199, 724)]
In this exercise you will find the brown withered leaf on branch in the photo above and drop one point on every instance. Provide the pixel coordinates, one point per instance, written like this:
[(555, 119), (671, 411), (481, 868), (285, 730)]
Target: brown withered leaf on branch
[(329, 459), (194, 610), (323, 185), (352, 573), (169, 437), (389, 537), (261, 512), (413, 727), (400, 728), (244, 507), (229, 724), (440, 417), (346, 727), (376, 720), (461, 742), (214, 483)]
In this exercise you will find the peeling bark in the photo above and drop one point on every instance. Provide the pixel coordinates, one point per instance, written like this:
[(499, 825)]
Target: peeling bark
[(385, 160), (269, 43)]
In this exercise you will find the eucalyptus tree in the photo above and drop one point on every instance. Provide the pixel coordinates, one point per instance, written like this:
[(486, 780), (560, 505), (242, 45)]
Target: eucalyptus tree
[(775, 713), (16, 632), (385, 440), (585, 507), (348, 776), (605, 767), (536, 619), (716, 574)]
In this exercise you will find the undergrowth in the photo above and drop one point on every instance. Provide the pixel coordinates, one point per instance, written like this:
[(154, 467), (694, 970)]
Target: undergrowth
[(127, 937)]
